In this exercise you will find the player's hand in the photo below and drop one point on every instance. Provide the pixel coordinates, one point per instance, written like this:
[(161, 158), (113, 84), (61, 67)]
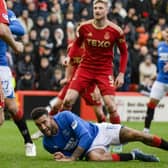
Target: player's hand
[(59, 156), (63, 81), (119, 81), (66, 160), (19, 47), (165, 68)]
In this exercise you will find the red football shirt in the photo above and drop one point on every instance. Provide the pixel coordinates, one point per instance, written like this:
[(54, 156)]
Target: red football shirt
[(3, 12), (99, 45)]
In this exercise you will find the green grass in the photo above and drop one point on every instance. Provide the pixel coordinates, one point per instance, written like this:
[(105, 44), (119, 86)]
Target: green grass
[(12, 151)]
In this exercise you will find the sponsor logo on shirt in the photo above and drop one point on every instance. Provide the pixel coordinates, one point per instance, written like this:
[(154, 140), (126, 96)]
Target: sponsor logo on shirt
[(74, 124), (107, 36), (71, 144), (163, 56), (98, 43)]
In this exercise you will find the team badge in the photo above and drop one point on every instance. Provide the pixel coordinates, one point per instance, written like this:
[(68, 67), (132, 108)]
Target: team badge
[(107, 36)]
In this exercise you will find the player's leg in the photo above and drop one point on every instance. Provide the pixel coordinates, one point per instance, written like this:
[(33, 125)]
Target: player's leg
[(70, 99), (2, 117), (17, 115), (98, 109), (111, 108), (131, 135), (157, 92), (102, 155), (18, 118), (107, 90), (92, 97)]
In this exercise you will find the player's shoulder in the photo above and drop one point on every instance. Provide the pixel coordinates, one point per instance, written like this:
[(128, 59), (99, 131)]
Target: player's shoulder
[(161, 44), (10, 12), (84, 23), (115, 27)]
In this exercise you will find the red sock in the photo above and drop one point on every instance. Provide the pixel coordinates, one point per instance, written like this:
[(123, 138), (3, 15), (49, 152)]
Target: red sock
[(103, 119), (115, 157), (156, 141), (52, 112), (151, 105), (2, 104), (115, 120), (18, 116)]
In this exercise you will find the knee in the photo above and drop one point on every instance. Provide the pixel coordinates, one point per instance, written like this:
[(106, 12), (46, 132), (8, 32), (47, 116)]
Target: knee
[(95, 158), (12, 108), (67, 104)]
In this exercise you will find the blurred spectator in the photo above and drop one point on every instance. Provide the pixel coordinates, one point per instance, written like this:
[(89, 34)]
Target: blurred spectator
[(153, 50), (57, 77), (44, 77), (56, 9), (26, 21), (43, 9), (147, 69), (45, 34), (134, 53), (142, 35), (25, 65), (53, 22), (32, 9), (26, 82), (39, 24), (59, 43)]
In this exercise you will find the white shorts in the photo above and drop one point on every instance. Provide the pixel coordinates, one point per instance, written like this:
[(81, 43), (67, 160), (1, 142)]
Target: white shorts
[(109, 134), (6, 80), (159, 90)]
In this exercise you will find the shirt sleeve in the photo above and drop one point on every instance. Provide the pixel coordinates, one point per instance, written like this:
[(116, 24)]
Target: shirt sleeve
[(3, 12), (80, 129), (121, 43), (14, 24), (76, 44)]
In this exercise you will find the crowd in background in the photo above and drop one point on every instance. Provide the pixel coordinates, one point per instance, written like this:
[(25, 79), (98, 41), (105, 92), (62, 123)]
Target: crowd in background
[(50, 26)]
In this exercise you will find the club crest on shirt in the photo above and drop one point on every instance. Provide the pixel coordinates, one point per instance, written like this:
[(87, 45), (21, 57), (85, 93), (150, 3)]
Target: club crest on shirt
[(107, 36), (5, 16)]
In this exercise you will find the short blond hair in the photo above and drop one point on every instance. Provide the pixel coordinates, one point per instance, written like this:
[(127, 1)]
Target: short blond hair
[(103, 1)]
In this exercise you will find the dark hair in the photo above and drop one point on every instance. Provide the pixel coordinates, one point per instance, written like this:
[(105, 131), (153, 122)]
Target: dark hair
[(38, 112)]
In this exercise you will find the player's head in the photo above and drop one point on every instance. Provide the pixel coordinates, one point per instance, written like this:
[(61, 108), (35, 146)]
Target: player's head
[(43, 121), (102, 1), (100, 9)]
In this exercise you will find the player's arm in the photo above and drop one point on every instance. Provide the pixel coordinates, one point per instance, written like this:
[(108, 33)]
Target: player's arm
[(122, 46), (6, 35), (77, 43), (14, 24), (85, 139)]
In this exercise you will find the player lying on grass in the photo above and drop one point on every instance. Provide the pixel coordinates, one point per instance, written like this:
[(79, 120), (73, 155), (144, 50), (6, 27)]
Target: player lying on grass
[(69, 138)]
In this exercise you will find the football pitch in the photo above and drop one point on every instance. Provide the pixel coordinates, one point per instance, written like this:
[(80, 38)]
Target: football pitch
[(12, 151)]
